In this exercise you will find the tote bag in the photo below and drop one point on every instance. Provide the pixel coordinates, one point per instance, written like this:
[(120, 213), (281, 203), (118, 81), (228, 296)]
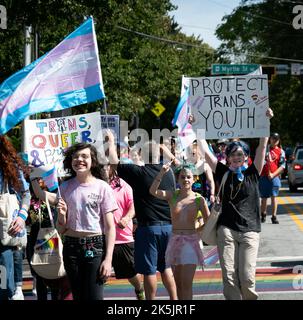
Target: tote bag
[(209, 230), (9, 208), (47, 260)]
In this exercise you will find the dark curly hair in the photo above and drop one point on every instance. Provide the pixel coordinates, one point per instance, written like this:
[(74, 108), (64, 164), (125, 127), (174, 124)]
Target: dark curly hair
[(11, 164), (68, 157)]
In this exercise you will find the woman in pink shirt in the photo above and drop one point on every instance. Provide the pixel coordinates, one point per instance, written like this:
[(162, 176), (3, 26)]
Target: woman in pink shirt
[(123, 256), (85, 218)]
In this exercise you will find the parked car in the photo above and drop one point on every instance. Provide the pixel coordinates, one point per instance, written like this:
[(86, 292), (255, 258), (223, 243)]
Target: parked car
[(295, 171), (288, 159)]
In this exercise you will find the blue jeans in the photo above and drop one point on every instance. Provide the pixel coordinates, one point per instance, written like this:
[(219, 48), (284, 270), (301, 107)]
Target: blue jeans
[(7, 286), (18, 266)]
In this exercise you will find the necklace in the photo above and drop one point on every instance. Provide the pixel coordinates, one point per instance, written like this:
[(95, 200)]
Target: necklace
[(232, 188)]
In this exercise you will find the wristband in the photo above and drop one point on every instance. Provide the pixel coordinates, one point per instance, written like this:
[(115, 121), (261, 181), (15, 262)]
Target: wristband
[(22, 214)]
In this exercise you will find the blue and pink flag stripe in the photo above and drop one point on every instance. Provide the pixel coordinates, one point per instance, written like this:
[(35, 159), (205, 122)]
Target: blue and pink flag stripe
[(67, 76), (50, 178)]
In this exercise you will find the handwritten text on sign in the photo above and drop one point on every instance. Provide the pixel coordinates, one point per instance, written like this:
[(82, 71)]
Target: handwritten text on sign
[(46, 139), (230, 107)]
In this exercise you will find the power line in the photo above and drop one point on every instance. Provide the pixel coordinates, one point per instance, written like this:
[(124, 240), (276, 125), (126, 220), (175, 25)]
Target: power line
[(251, 14), (159, 38), (200, 46), (198, 27)]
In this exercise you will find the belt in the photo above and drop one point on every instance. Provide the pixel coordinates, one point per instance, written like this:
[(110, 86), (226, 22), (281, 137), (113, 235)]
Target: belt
[(154, 223), (85, 240)]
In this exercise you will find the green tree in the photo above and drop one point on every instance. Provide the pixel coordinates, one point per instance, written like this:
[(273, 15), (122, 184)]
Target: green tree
[(263, 33), (137, 69)]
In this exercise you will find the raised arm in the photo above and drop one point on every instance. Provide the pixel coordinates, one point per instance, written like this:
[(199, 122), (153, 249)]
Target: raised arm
[(210, 180), (161, 194), (209, 156), (169, 155), (113, 155), (41, 194), (261, 149)]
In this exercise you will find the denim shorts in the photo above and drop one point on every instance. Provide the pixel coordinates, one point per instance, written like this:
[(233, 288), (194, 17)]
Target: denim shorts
[(269, 188), (150, 247)]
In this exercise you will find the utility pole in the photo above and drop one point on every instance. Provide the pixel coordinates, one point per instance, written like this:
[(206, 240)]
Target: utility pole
[(27, 61)]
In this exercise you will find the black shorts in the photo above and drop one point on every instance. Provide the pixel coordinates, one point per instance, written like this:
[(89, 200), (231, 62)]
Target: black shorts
[(123, 260)]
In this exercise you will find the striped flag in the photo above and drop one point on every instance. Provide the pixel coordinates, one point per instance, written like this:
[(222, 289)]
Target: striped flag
[(67, 76), (212, 257), (186, 135), (50, 178)]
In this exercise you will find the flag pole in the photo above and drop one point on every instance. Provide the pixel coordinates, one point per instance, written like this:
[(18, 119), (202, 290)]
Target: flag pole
[(27, 61)]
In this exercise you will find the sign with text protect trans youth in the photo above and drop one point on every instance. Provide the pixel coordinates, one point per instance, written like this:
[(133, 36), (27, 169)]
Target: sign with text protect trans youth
[(231, 106), (46, 139)]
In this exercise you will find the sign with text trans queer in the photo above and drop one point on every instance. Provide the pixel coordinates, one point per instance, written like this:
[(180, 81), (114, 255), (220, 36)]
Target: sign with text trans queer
[(230, 107), (46, 139)]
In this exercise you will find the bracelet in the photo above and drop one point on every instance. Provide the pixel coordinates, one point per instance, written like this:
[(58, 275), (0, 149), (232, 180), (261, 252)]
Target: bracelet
[(23, 214)]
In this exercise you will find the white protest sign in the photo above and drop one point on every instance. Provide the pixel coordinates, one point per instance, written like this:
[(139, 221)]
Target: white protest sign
[(231, 106), (111, 122), (46, 139)]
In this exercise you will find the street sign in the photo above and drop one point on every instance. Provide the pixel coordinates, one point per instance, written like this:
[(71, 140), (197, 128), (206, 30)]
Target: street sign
[(233, 69), (158, 109), (295, 69)]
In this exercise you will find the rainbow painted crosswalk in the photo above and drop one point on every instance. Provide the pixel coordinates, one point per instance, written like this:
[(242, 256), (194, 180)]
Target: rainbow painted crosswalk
[(208, 282)]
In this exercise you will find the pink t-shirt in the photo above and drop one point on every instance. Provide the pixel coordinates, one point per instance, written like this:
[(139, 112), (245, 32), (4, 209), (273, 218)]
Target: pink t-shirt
[(87, 203), (124, 198)]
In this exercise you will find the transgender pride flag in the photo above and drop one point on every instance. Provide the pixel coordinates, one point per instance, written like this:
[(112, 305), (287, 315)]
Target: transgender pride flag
[(67, 76), (186, 135), (50, 178)]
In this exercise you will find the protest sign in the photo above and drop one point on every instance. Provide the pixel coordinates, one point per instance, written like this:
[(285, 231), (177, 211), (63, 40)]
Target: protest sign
[(230, 106), (111, 122), (46, 139)]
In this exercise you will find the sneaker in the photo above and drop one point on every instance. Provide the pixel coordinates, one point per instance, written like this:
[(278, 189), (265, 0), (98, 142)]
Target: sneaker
[(263, 217), (140, 294), (274, 220), (18, 294)]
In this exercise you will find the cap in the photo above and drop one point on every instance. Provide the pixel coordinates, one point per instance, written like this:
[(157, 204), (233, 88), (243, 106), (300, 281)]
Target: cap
[(275, 135)]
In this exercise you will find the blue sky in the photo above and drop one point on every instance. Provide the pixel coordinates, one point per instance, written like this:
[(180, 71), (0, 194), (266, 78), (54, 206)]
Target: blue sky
[(201, 17)]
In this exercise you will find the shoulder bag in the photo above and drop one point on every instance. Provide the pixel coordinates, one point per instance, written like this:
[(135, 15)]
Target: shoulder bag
[(47, 260), (209, 230), (9, 208)]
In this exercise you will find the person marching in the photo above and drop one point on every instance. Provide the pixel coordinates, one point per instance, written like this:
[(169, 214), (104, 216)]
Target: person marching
[(183, 252), (270, 182)]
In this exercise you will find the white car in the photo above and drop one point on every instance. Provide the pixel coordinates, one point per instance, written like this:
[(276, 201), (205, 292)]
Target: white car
[(295, 171)]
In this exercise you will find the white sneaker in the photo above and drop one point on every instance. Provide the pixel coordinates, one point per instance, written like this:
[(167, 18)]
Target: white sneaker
[(34, 292), (18, 294)]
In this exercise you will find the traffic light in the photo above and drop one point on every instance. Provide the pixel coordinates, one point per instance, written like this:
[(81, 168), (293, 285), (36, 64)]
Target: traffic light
[(270, 70)]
